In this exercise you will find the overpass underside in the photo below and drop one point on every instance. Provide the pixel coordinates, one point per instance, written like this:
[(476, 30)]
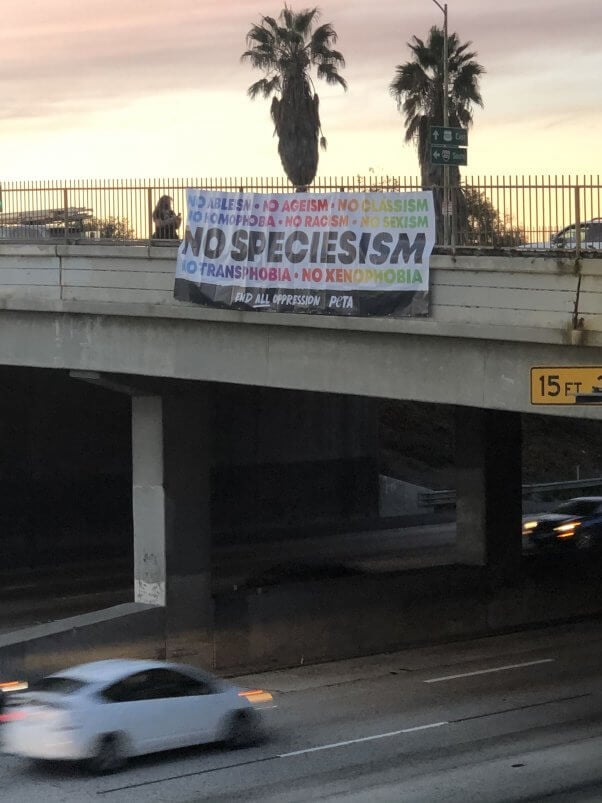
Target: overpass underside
[(161, 474)]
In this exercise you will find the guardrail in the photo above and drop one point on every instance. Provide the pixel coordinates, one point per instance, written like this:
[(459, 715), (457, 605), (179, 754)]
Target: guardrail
[(437, 499), (547, 212), (447, 498)]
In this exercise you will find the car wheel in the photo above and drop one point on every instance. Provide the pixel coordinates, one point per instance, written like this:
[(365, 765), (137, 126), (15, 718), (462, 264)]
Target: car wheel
[(242, 730), (109, 756)]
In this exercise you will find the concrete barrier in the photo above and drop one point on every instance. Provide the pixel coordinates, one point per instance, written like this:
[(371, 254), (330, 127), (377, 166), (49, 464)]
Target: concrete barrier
[(130, 630), (316, 620), (346, 617)]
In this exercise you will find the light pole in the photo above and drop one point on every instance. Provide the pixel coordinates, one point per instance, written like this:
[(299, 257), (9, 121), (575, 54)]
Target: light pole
[(445, 204)]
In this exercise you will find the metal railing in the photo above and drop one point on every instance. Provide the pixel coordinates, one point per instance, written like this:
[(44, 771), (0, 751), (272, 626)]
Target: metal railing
[(546, 212), (447, 498)]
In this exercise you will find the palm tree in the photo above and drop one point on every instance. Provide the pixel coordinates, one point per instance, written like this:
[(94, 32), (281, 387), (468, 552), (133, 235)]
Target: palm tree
[(286, 49), (418, 90)]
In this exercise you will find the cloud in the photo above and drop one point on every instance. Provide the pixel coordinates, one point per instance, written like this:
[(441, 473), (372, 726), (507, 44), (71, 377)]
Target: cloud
[(62, 55), (59, 56), (73, 69)]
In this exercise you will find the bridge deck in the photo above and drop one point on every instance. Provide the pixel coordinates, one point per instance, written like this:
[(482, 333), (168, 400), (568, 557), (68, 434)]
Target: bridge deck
[(493, 317)]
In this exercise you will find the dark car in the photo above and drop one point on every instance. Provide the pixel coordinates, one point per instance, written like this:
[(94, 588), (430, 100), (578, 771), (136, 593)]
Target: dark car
[(576, 524)]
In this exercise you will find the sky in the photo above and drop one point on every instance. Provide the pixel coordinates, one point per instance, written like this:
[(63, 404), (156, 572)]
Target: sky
[(142, 88)]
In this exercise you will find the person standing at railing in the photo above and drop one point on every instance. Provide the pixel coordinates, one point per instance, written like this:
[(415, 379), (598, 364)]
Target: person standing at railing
[(166, 221)]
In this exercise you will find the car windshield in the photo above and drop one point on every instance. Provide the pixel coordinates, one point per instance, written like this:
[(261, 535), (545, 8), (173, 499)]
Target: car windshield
[(578, 507), (57, 685)]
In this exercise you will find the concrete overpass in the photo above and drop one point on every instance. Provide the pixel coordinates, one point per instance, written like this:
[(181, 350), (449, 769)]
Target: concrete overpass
[(492, 318), (107, 315)]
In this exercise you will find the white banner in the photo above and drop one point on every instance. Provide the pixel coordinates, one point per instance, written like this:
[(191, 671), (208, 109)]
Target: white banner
[(320, 252)]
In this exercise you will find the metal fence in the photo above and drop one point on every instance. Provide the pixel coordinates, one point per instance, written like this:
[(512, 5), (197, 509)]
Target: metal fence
[(540, 491), (524, 212)]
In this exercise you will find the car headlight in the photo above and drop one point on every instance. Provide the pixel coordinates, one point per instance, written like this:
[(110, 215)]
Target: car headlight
[(528, 526), (566, 530)]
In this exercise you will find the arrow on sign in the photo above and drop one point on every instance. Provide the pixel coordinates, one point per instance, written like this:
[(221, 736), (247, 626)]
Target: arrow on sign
[(448, 156)]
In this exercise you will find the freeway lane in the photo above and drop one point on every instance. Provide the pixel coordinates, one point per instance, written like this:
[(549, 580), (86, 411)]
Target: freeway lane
[(516, 717), (37, 598), (379, 550)]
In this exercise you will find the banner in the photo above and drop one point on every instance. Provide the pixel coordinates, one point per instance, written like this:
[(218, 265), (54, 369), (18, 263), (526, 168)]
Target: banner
[(339, 253)]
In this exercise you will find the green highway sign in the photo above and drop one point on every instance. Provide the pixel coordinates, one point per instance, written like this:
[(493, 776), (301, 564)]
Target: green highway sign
[(448, 156), (449, 137)]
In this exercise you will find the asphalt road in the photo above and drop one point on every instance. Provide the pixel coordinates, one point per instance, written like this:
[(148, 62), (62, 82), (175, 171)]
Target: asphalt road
[(378, 550), (510, 718), (38, 597)]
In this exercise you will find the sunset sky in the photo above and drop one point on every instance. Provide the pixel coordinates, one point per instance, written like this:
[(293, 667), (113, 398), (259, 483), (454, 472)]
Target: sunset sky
[(141, 88)]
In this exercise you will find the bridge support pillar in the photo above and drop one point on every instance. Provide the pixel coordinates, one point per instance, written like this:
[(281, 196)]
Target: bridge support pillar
[(171, 503), (488, 485)]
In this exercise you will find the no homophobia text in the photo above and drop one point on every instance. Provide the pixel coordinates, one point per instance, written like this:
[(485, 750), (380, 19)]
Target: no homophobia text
[(266, 251)]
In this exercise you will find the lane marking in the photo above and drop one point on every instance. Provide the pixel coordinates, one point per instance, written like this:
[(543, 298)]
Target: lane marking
[(488, 671), (525, 707), (210, 770), (260, 760), (387, 735), (332, 746), (180, 776)]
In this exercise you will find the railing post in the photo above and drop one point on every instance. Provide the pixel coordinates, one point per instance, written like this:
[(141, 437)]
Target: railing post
[(577, 222), (576, 320), (454, 191), (66, 208), (149, 201)]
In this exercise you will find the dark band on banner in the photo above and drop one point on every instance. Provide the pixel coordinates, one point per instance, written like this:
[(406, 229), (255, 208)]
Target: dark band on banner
[(400, 304)]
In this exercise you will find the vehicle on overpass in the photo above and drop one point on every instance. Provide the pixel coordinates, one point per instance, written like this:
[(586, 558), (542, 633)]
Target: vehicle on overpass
[(46, 224), (576, 524), (590, 238), (590, 235), (105, 712)]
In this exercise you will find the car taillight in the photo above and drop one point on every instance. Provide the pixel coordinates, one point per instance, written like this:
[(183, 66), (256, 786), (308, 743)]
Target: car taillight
[(13, 685), (12, 716), (11, 711), (256, 696)]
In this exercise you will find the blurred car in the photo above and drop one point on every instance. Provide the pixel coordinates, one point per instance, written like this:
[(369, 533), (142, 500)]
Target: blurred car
[(590, 238), (590, 235), (108, 711), (576, 524)]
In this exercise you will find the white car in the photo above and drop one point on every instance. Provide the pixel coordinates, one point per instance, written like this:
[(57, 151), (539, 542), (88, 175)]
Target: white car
[(590, 235), (107, 711)]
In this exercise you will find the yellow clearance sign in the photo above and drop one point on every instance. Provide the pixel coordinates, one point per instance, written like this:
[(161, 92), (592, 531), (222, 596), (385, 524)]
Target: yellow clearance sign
[(566, 385)]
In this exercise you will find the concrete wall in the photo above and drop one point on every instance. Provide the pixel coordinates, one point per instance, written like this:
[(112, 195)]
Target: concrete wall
[(284, 458), (130, 630), (469, 287), (492, 319), (311, 621), (65, 469), (347, 617), (398, 498), (280, 458)]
